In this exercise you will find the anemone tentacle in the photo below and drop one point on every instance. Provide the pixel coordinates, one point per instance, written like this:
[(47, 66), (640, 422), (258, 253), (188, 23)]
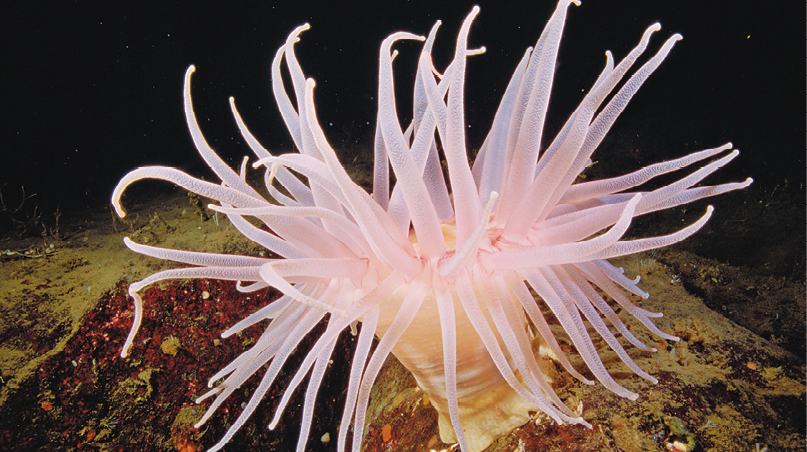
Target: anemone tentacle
[(442, 266)]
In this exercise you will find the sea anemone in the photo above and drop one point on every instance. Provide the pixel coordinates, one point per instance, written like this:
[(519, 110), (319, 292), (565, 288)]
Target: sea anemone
[(455, 278)]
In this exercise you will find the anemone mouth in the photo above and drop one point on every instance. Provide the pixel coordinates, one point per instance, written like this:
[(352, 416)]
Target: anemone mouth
[(449, 232)]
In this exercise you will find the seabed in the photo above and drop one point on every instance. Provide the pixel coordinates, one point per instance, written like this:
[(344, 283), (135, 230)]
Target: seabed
[(735, 382)]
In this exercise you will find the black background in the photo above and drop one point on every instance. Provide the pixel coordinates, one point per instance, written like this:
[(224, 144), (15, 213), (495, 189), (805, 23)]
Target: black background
[(92, 90)]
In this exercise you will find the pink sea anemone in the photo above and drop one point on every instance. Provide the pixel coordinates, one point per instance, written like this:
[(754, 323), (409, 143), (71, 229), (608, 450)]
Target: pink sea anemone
[(442, 273)]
